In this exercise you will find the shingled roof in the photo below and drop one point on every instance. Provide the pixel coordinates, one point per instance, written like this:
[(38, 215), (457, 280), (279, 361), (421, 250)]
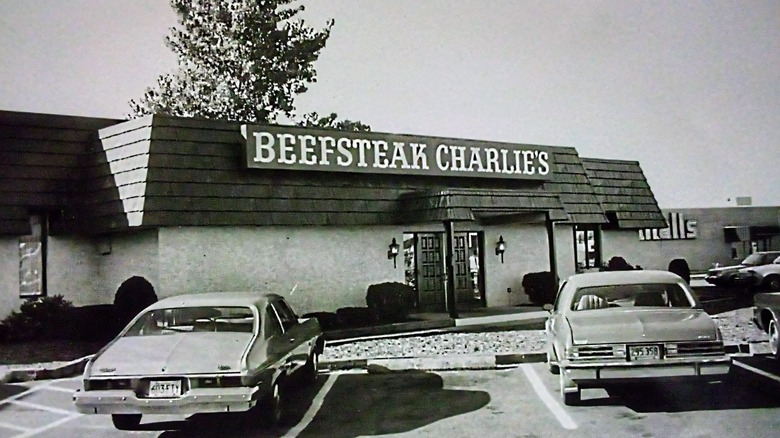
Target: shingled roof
[(624, 193)]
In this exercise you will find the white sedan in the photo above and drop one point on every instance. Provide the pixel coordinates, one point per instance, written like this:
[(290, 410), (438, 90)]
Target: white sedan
[(615, 327)]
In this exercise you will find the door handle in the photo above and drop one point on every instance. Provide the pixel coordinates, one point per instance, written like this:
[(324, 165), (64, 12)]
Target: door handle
[(292, 340)]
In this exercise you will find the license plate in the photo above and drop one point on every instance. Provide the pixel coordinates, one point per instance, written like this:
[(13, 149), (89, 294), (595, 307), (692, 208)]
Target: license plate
[(164, 388), (644, 352)]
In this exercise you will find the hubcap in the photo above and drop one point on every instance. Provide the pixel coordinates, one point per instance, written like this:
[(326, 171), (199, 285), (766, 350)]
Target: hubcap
[(774, 338)]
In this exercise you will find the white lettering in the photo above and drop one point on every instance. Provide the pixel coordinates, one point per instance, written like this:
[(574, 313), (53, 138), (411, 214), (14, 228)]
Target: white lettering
[(476, 159), (441, 150), (492, 159), (380, 154), (264, 147), (458, 158), (307, 143), (361, 145), (398, 154), (345, 155), (419, 159), (285, 149), (528, 167), (543, 164), (326, 149)]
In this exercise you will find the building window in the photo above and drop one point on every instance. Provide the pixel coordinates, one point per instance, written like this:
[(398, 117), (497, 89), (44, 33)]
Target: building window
[(587, 247), (32, 259)]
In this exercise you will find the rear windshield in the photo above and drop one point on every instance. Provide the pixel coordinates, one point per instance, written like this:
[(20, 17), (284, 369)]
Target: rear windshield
[(632, 295), (193, 319)]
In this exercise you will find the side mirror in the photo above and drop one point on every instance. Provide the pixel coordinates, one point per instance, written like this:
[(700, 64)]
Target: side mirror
[(548, 307)]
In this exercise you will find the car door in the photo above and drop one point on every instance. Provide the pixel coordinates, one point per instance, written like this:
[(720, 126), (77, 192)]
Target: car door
[(295, 338)]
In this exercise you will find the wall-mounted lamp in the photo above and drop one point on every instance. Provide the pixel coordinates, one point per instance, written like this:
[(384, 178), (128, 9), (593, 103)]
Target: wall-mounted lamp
[(501, 247), (392, 252)]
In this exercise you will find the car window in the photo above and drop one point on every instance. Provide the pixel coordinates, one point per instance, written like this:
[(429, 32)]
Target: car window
[(286, 315), (272, 324), (193, 319), (631, 295)]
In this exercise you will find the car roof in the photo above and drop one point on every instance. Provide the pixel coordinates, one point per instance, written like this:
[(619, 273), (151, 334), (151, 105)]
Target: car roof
[(622, 277), (226, 299)]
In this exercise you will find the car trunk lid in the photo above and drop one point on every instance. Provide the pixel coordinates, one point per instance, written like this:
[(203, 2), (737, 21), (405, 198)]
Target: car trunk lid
[(641, 325)]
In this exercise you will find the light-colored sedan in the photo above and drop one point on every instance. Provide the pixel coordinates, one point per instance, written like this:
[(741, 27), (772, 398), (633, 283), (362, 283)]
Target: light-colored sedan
[(622, 326), (201, 353)]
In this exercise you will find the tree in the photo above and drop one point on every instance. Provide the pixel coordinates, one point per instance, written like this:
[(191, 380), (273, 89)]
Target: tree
[(313, 119), (242, 60)]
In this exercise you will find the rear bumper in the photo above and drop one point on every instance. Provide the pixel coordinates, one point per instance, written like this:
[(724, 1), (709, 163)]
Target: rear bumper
[(604, 373), (202, 400)]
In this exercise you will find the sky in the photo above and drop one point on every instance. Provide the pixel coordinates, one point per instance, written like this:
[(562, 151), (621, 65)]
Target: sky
[(690, 89)]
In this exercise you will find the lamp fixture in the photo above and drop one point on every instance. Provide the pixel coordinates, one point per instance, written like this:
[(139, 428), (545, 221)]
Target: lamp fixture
[(392, 252), (501, 247)]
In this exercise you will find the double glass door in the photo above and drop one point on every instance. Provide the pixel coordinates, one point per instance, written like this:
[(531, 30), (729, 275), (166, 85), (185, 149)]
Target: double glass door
[(425, 256)]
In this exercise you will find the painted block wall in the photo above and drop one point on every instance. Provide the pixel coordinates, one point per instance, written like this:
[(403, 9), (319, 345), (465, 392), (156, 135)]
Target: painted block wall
[(564, 250), (72, 269), (9, 275), (134, 253), (316, 268), (526, 251)]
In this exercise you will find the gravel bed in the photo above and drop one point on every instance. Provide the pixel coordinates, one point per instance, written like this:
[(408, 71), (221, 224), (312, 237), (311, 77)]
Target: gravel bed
[(735, 326)]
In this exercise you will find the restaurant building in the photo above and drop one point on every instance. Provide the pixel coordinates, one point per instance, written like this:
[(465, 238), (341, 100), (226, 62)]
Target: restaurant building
[(190, 205)]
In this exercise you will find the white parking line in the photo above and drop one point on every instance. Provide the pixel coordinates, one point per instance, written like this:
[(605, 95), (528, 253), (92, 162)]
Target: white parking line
[(13, 427), (51, 425), (316, 404), (58, 389), (40, 407), (756, 370), (557, 410)]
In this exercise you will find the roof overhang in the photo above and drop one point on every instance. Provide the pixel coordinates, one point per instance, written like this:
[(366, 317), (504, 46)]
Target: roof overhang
[(479, 205)]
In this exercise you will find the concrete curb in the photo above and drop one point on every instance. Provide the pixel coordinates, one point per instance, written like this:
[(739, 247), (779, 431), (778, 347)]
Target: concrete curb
[(436, 363)]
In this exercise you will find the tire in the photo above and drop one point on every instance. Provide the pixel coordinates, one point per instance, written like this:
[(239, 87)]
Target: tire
[(569, 398), (311, 369), (126, 421), (774, 338), (276, 411), (552, 367), (773, 283)]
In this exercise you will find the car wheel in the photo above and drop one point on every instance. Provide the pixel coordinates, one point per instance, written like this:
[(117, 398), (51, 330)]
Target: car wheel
[(773, 283), (311, 369), (126, 421), (570, 392), (551, 365), (276, 409), (774, 338)]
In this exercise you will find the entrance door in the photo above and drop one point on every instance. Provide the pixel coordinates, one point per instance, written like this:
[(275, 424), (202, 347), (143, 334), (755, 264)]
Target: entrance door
[(466, 258), (430, 268)]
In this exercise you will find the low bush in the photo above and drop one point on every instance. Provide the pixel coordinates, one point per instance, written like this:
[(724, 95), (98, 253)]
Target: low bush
[(45, 318), (95, 323), (541, 287), (390, 301), (350, 317), (327, 320)]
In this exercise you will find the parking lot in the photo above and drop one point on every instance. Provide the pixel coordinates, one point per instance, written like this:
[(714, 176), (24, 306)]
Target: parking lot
[(518, 401)]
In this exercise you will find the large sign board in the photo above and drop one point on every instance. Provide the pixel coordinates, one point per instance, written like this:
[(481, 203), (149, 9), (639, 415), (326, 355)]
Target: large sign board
[(294, 148), (679, 228)]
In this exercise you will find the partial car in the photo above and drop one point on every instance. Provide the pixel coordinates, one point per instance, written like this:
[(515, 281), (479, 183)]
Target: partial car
[(616, 327), (760, 278), (725, 275), (766, 315), (202, 353)]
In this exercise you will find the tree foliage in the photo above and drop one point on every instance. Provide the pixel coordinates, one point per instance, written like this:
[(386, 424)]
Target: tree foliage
[(242, 60), (313, 119)]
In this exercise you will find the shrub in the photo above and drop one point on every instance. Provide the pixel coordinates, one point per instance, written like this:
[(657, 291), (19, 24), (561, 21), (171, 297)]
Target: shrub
[(327, 320), (541, 287), (45, 318), (95, 323), (681, 268), (618, 263), (390, 301), (354, 317)]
